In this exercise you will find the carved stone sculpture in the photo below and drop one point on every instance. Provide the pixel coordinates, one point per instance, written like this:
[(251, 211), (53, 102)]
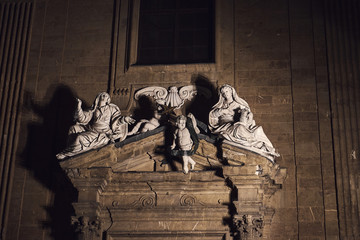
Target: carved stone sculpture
[(184, 138), (94, 128), (86, 228), (171, 98), (136, 196), (232, 119), (248, 227), (145, 125)]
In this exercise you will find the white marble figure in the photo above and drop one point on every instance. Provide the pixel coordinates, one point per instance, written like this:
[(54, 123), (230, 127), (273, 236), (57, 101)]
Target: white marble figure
[(96, 127), (171, 98), (182, 139), (232, 119), (145, 125)]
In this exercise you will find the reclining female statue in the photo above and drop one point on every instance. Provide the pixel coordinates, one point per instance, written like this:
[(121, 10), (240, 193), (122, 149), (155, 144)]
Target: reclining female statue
[(232, 119)]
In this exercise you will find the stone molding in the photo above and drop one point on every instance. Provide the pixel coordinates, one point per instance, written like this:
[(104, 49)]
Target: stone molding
[(125, 189)]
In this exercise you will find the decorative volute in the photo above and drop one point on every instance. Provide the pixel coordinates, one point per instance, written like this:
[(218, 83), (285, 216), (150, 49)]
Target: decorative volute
[(171, 98)]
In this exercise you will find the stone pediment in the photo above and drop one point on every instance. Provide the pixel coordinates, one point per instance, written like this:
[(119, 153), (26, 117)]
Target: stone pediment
[(128, 155), (140, 187), (146, 153), (133, 190)]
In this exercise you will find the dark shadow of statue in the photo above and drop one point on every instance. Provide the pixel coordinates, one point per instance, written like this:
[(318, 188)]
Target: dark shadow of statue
[(165, 149), (204, 100), (144, 114), (46, 138), (207, 96), (145, 108)]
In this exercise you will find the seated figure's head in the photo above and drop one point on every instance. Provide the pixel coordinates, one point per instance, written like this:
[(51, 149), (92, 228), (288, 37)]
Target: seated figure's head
[(104, 97), (101, 99), (227, 92)]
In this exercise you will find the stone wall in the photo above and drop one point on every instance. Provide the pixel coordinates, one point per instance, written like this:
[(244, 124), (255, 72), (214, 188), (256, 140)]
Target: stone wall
[(294, 62)]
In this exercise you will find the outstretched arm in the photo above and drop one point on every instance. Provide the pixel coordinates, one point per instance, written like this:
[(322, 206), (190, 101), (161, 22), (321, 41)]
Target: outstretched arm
[(82, 117)]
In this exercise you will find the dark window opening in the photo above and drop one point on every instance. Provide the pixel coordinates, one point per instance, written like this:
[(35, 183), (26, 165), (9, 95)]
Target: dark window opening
[(176, 31)]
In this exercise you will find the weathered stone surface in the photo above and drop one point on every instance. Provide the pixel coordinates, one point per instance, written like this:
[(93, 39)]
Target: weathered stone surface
[(293, 61), (131, 196)]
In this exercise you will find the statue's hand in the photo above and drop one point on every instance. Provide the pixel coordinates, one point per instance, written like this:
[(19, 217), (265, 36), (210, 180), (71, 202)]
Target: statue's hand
[(227, 112), (173, 146), (79, 103), (129, 120), (111, 138)]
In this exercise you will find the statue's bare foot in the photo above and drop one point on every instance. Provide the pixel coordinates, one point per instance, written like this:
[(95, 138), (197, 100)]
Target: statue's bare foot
[(131, 133), (60, 156)]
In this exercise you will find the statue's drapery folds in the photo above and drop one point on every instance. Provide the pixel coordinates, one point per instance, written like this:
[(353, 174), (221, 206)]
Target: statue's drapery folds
[(132, 189), (232, 119), (95, 127)]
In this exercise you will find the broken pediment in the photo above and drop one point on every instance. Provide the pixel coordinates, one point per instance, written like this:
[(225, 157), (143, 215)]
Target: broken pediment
[(230, 119), (146, 153), (134, 190), (170, 176)]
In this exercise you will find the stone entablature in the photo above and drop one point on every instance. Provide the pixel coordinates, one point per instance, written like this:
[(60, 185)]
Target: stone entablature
[(131, 190)]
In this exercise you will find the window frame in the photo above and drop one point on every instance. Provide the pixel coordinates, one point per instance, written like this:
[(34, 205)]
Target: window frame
[(134, 41)]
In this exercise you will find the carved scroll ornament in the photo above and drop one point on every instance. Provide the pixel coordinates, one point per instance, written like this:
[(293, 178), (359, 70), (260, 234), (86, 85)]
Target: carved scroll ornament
[(173, 97)]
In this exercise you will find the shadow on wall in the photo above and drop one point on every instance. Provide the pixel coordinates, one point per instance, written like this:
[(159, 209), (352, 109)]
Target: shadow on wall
[(45, 140), (145, 108), (205, 99)]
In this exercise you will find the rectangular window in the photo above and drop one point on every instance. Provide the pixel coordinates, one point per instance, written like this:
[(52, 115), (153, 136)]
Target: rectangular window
[(176, 31)]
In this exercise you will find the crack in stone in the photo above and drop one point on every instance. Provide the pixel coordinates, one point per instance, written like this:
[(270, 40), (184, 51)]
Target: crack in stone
[(153, 192)]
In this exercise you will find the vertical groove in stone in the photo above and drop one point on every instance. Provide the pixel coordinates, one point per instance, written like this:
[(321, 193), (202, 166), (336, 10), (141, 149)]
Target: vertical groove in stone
[(323, 125), (356, 13), (293, 119), (354, 19), (115, 37), (16, 18), (335, 128), (324, 122), (354, 9), (352, 128), (343, 69), (3, 20), (9, 98), (6, 77), (120, 43), (344, 114), (5, 48)]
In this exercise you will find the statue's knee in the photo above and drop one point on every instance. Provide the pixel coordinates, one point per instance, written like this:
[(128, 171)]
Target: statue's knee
[(80, 139), (76, 129), (72, 130)]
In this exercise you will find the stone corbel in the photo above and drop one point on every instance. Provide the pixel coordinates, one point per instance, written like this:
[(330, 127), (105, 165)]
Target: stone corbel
[(273, 180)]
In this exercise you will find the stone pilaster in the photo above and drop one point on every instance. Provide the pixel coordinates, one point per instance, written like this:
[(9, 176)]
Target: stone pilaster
[(253, 180)]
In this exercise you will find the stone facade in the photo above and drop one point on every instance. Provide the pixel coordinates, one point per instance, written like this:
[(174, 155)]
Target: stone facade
[(129, 191), (295, 62)]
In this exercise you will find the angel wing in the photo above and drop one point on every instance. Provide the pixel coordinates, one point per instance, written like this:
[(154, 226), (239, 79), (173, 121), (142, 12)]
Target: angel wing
[(193, 120)]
